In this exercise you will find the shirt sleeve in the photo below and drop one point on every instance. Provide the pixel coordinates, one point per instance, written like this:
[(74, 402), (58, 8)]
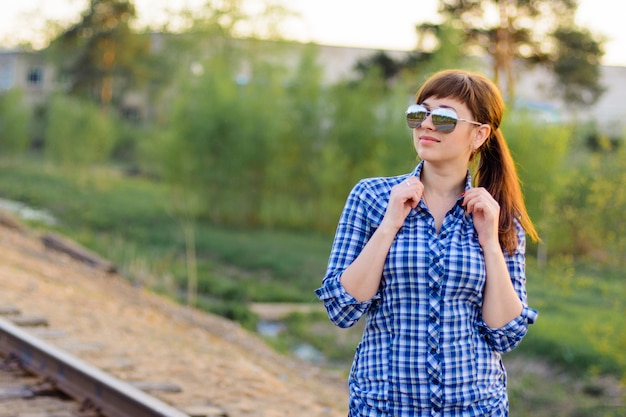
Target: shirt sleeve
[(356, 225), (506, 338)]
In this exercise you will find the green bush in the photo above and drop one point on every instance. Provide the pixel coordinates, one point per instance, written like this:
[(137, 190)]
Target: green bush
[(231, 310), (592, 204), (14, 121), (78, 133)]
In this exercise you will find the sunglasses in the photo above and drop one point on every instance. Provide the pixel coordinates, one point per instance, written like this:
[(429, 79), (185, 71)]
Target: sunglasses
[(444, 119)]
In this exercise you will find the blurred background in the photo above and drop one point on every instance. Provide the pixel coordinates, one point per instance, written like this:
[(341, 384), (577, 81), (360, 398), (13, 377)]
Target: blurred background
[(207, 148)]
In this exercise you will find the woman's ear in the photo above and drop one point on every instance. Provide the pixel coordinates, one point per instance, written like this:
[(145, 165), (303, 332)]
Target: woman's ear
[(481, 134)]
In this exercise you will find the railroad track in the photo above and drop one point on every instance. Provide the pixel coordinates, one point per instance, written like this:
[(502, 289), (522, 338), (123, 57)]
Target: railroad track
[(94, 389)]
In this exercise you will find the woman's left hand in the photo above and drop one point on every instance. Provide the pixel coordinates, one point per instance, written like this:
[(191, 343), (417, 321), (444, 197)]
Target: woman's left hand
[(485, 211)]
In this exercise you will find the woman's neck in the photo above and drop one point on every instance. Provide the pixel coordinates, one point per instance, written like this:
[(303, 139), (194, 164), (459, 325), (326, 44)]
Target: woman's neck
[(443, 183)]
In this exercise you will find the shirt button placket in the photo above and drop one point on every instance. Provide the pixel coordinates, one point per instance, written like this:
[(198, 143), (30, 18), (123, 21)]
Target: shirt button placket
[(433, 362)]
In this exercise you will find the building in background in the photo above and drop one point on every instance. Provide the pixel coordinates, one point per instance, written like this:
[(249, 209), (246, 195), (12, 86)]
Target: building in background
[(29, 72)]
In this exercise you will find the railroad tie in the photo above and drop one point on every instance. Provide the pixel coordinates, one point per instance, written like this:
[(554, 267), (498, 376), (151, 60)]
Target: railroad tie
[(156, 386), (13, 392), (29, 321), (204, 411), (9, 311)]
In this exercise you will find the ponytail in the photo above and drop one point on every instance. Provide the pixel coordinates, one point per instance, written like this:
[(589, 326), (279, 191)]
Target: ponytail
[(497, 174)]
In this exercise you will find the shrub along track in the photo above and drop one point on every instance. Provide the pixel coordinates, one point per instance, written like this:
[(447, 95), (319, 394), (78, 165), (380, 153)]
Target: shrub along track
[(137, 336)]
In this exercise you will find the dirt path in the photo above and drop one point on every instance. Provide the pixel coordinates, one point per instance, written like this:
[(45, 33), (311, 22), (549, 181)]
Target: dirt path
[(214, 361)]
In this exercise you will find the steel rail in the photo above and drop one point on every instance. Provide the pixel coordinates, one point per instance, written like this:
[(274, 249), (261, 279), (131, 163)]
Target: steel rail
[(81, 381)]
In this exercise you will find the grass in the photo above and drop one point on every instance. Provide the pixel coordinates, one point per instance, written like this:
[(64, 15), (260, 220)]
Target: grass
[(581, 309), (127, 220)]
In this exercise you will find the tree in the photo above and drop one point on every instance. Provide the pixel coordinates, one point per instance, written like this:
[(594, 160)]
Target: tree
[(98, 57), (380, 61), (522, 29), (424, 60), (577, 66)]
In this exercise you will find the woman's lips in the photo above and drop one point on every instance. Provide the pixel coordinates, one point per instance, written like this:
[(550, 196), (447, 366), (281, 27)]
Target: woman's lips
[(428, 139)]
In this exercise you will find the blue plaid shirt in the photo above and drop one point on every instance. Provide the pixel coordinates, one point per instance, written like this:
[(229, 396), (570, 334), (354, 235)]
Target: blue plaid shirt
[(425, 350)]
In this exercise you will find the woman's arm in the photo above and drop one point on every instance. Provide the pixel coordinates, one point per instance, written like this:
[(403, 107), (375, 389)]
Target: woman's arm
[(362, 278), (362, 242), (501, 303), (506, 337)]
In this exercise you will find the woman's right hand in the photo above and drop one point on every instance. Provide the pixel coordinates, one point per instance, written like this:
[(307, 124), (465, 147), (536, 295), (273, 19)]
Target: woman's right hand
[(403, 197)]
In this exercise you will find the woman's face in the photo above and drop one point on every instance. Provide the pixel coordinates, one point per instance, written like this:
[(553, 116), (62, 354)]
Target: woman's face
[(457, 146)]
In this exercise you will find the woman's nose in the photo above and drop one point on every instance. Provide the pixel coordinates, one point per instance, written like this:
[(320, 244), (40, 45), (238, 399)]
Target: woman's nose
[(427, 123)]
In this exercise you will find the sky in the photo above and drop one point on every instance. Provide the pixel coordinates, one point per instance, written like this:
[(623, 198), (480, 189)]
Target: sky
[(358, 23)]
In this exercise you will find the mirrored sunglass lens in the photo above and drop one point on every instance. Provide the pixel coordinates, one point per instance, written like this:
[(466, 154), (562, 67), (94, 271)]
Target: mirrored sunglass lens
[(443, 120), (445, 128), (415, 119), (415, 115)]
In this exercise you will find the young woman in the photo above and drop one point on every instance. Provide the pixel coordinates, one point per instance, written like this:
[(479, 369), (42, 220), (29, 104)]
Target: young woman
[(435, 263)]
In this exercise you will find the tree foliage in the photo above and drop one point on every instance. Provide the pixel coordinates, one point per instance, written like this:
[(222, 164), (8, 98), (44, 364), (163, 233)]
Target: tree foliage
[(577, 66), (263, 144), (100, 57), (530, 30)]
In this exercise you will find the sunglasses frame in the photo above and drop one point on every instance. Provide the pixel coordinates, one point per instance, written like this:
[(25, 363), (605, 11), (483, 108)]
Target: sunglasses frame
[(440, 125)]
